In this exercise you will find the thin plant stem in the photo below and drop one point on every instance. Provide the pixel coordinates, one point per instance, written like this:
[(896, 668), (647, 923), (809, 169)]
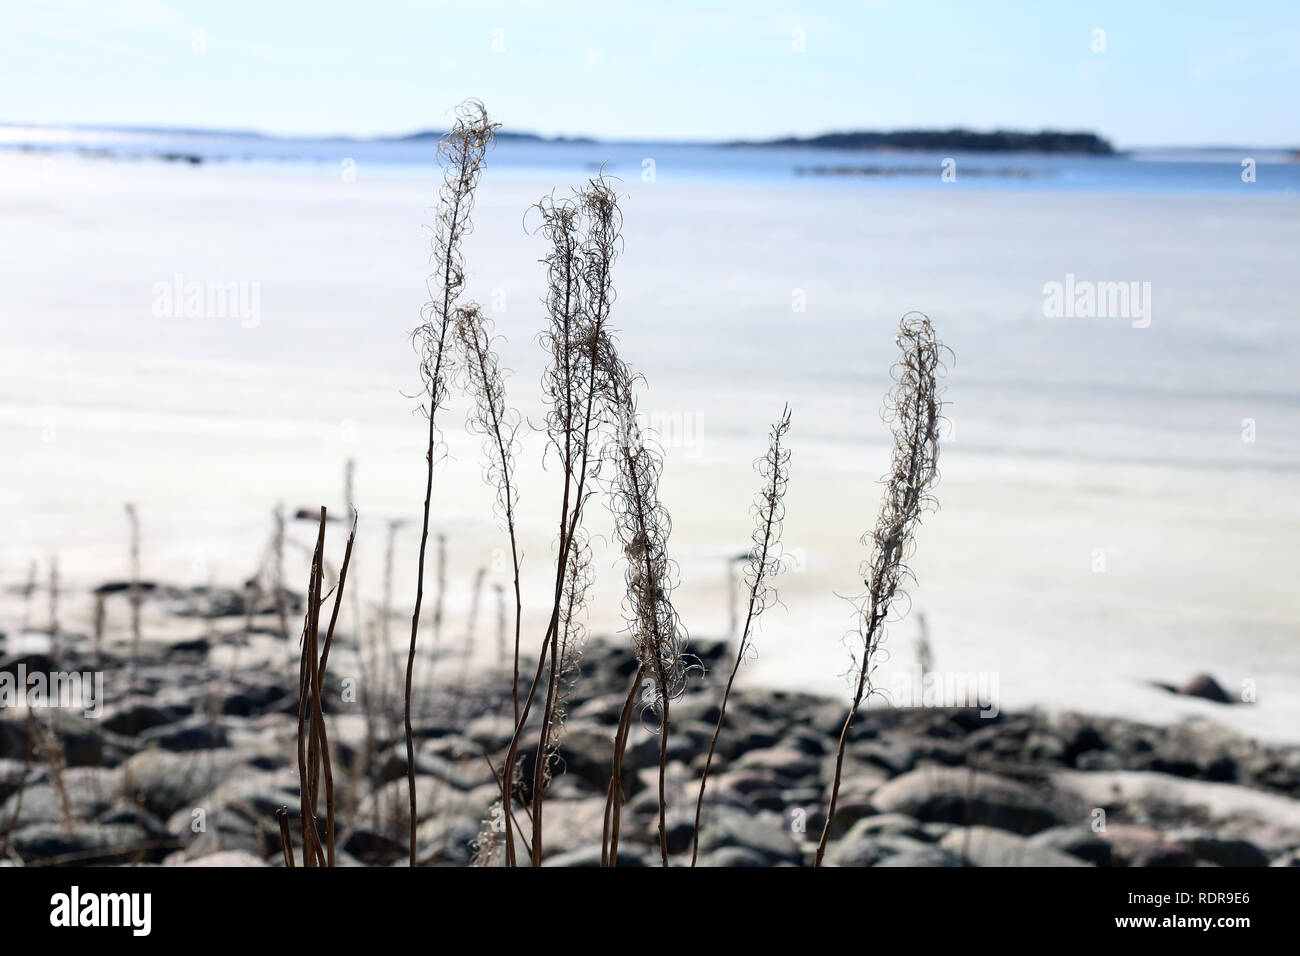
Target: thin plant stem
[(462, 149), (914, 409), (762, 563)]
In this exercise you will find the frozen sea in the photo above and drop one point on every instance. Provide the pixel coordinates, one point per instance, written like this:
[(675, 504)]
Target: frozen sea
[(1119, 495)]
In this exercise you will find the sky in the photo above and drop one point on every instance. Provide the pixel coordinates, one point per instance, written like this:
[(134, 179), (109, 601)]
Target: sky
[(1185, 73)]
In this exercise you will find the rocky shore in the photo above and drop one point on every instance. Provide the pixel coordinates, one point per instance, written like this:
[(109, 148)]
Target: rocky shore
[(194, 753)]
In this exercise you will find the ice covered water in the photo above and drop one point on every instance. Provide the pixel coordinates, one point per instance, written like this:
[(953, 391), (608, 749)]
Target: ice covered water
[(1119, 499)]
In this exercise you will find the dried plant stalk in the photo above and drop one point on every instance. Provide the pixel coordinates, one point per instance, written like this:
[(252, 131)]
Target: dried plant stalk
[(571, 422), (461, 152), (56, 630), (277, 573), (320, 683), (286, 841), (913, 408), (614, 793), (642, 525), (498, 425), (133, 519), (579, 385), (312, 854), (29, 592), (572, 641), (762, 564), (314, 762), (7, 833)]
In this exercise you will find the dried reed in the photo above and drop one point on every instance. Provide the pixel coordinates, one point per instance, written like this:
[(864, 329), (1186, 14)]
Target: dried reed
[(314, 763), (133, 519), (461, 152), (642, 525), (913, 409), (763, 562), (498, 426)]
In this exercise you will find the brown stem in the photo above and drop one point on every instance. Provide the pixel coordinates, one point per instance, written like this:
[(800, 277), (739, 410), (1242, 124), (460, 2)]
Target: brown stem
[(761, 558), (615, 797), (286, 841), (839, 763), (663, 762)]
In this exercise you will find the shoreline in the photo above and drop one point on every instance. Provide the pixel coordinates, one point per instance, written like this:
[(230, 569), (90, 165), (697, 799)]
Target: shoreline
[(191, 759)]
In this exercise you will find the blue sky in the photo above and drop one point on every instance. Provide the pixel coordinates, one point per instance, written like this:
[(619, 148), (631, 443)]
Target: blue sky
[(1197, 73)]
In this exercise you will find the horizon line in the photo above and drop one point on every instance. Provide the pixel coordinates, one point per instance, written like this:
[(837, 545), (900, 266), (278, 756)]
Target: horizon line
[(590, 138)]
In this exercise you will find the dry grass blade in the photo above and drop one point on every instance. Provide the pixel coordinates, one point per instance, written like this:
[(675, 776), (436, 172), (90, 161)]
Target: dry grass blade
[(319, 683), (135, 595), (286, 840), (579, 388), (642, 525), (614, 795), (913, 408), (461, 152), (308, 742), (22, 787), (498, 425), (314, 762), (763, 563)]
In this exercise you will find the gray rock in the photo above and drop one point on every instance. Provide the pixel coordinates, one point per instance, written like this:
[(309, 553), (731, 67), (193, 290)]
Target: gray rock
[(604, 710), (588, 754), (894, 824), (137, 817), (1205, 686), (590, 857), (193, 733), (922, 857), (858, 848), (1133, 845), (573, 824), (767, 836), (792, 766), (245, 803), (729, 856), (464, 774), (373, 848), (859, 784), (491, 731), (227, 858), (82, 740), (84, 844), (936, 831), (448, 839), (951, 795), (1221, 850), (890, 753), (17, 773), (387, 810), (164, 781), (807, 741), (1214, 805), (1078, 841), (256, 696), (135, 715), (89, 791), (985, 846)]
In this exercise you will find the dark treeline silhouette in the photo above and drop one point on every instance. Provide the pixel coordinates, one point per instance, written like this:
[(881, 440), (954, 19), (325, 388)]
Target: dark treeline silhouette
[(956, 140)]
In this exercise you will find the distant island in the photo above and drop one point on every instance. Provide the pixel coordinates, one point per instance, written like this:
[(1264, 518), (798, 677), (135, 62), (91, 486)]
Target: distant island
[(956, 140)]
